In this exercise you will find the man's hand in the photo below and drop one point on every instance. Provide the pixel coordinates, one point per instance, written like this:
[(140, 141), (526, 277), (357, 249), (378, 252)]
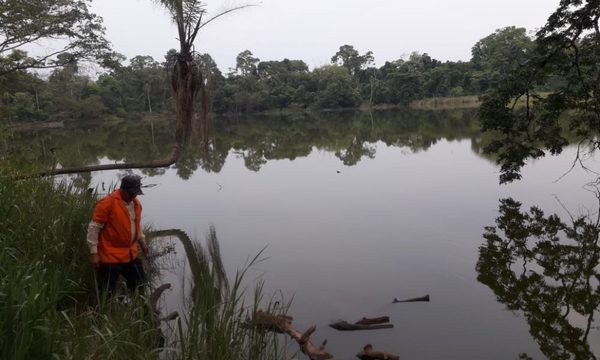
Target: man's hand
[(145, 249), (95, 261)]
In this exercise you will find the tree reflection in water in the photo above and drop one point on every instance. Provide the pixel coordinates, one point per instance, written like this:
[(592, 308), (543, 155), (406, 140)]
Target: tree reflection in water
[(257, 139), (548, 270)]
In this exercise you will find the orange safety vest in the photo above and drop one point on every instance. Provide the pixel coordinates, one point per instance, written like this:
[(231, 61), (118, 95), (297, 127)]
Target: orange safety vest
[(114, 242)]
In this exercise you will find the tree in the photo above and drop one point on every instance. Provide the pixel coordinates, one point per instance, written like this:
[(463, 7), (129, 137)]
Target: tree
[(350, 58), (527, 124), (22, 22), (245, 63), (335, 88), (500, 53), (189, 82)]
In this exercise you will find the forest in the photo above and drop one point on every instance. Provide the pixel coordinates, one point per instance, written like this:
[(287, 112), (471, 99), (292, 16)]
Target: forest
[(141, 85)]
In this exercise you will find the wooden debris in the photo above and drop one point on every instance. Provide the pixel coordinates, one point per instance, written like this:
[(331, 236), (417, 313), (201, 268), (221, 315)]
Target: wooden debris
[(270, 322), (153, 304), (417, 299), (372, 321), (153, 299), (283, 324), (369, 354), (363, 324)]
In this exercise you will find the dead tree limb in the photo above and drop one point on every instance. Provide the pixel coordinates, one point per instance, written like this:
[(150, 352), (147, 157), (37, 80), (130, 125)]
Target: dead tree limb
[(417, 299), (363, 324), (373, 321), (283, 324), (153, 304), (156, 294), (346, 326), (369, 354)]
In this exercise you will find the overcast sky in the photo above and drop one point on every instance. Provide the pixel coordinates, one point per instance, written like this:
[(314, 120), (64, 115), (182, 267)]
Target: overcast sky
[(313, 30)]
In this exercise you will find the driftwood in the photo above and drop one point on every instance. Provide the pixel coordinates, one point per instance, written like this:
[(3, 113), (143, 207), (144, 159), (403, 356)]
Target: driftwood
[(372, 321), (153, 304), (363, 324), (283, 324), (369, 354), (417, 299)]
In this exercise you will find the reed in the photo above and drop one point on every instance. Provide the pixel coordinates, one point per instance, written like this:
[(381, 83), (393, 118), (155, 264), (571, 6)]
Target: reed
[(215, 325), (48, 304)]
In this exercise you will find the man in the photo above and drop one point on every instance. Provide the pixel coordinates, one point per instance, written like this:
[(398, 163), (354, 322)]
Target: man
[(113, 237)]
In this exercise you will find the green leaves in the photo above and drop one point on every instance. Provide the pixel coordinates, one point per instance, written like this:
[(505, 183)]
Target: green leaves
[(565, 61), (25, 22)]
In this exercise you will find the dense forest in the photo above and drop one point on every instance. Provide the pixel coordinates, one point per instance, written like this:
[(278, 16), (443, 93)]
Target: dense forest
[(141, 85)]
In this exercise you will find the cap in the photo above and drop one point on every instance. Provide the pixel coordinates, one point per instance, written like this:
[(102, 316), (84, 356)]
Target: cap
[(132, 184)]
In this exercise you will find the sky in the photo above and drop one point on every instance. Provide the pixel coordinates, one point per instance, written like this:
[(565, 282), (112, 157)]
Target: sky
[(313, 30)]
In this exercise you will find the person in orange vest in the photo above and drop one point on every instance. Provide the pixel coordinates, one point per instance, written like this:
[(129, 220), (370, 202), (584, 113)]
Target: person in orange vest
[(113, 237)]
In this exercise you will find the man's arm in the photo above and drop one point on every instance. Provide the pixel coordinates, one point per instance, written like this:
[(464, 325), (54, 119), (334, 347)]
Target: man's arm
[(143, 245), (99, 218), (92, 242)]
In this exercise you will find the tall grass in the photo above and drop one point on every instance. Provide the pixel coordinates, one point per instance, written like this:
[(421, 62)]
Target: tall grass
[(215, 325), (48, 303)]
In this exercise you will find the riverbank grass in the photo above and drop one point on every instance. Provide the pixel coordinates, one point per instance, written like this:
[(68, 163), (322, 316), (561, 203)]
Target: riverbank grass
[(48, 304)]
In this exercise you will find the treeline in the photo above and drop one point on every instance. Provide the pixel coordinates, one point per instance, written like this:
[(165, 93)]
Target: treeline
[(141, 86), (257, 139)]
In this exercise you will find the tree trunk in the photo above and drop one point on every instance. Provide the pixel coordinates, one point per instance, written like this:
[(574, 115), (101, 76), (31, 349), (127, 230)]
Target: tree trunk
[(166, 162), (148, 97)]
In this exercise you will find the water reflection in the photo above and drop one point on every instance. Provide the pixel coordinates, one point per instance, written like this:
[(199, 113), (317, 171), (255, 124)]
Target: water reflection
[(546, 269), (258, 139)]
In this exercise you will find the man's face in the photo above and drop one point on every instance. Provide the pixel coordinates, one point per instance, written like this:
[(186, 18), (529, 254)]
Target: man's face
[(127, 195)]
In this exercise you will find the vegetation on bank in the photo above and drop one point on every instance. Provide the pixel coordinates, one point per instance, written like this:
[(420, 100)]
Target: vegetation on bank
[(142, 86), (48, 303)]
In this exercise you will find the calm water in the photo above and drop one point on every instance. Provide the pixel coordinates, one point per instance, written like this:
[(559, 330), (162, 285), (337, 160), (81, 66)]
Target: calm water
[(355, 211)]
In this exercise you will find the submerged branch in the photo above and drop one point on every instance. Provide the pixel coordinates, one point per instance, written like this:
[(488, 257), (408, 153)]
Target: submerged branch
[(363, 324), (368, 354), (283, 324)]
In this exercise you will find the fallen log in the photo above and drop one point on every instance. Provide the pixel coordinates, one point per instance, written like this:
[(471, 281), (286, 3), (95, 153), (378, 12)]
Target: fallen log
[(369, 354), (371, 321), (417, 299), (283, 324), (363, 324)]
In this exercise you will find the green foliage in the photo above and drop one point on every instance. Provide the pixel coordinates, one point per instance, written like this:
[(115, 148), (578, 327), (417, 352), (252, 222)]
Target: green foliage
[(245, 63), (564, 60), (334, 88), (44, 273), (349, 58), (26, 22), (499, 54), (216, 325), (48, 305)]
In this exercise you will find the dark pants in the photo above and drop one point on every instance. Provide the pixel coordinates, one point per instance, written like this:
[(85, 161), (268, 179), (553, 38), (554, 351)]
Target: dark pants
[(108, 274)]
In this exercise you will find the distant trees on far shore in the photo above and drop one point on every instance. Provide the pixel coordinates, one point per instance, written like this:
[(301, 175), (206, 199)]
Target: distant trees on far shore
[(141, 85)]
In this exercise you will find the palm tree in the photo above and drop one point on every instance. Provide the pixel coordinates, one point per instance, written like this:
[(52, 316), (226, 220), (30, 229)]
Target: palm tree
[(190, 82)]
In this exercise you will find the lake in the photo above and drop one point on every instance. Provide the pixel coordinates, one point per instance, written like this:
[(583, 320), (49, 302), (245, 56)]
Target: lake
[(353, 211)]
